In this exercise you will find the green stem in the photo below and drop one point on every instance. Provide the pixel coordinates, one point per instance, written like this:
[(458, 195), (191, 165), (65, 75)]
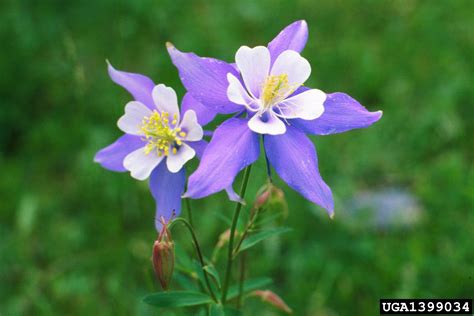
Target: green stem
[(247, 229), (232, 233), (267, 162), (190, 215), (199, 253)]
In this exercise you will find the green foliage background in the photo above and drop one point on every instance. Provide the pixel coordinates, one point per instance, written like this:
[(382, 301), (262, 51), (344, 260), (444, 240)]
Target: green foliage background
[(76, 239)]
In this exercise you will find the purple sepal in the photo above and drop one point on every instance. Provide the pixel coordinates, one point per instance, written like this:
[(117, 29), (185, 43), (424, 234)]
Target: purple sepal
[(203, 113), (233, 147), (112, 156), (294, 159), (199, 147), (292, 37), (205, 79), (341, 114), (167, 188), (139, 86)]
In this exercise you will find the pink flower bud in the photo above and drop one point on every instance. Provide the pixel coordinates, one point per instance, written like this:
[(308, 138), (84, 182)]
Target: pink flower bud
[(262, 199), (273, 299), (163, 257), (271, 197)]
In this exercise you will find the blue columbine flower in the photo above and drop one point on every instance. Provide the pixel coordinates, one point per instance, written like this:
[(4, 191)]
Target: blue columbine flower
[(158, 140), (266, 84)]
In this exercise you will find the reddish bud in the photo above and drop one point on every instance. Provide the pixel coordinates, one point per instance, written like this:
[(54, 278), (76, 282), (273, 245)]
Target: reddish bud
[(262, 199), (268, 296), (163, 257), (271, 197)]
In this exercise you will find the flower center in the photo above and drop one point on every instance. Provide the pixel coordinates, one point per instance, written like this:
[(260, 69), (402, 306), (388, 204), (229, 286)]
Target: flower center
[(275, 88), (161, 137)]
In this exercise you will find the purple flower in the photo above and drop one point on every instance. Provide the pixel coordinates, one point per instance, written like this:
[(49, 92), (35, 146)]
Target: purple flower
[(158, 140), (265, 87)]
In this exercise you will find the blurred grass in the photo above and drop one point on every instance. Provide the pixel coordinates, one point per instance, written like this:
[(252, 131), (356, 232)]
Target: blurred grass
[(76, 239)]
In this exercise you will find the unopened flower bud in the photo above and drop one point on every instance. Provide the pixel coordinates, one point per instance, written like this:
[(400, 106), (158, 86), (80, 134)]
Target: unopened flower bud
[(163, 257), (270, 196), (277, 194), (223, 238), (262, 199), (268, 296)]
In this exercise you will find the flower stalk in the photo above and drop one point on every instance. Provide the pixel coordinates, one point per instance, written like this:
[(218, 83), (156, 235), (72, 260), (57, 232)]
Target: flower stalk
[(199, 253), (190, 215), (232, 235), (247, 229)]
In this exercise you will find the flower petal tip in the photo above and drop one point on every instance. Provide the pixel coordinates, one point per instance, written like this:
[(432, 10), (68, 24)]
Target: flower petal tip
[(111, 70), (238, 199), (99, 158), (376, 116), (109, 66), (96, 159)]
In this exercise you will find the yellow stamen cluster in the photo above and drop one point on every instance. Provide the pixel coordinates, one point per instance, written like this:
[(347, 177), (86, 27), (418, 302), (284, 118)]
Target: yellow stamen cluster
[(275, 87), (162, 138)]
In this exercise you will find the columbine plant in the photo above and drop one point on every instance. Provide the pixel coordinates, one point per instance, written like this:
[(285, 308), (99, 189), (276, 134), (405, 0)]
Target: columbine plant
[(264, 90)]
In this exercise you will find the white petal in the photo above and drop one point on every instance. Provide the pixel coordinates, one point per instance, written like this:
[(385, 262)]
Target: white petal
[(268, 123), (237, 93), (307, 105), (254, 65), (166, 100), (141, 164), (191, 127), (292, 64), (132, 120), (175, 162)]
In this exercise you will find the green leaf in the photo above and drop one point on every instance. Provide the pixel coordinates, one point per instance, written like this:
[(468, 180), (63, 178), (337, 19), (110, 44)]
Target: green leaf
[(213, 272), (249, 285), (258, 237), (177, 299)]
